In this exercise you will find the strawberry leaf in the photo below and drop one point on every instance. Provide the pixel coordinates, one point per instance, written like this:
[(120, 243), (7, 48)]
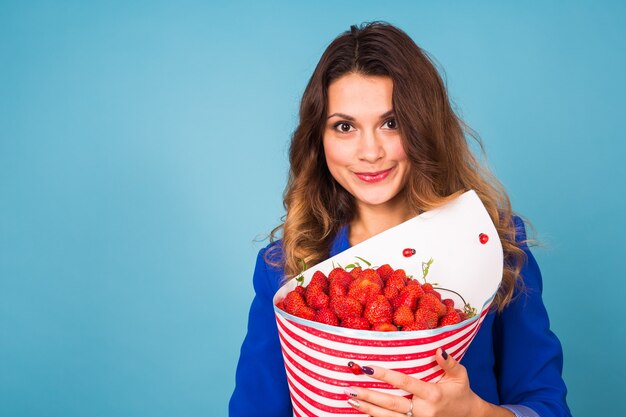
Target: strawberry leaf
[(367, 263), (426, 268), (300, 279), (469, 310)]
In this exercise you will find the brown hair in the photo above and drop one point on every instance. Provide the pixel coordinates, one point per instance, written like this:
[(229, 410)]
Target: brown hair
[(442, 165)]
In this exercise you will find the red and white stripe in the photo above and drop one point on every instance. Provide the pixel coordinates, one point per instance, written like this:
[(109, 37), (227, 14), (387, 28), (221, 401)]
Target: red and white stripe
[(316, 359)]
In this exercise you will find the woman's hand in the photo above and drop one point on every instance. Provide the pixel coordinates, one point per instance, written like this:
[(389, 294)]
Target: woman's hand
[(450, 397)]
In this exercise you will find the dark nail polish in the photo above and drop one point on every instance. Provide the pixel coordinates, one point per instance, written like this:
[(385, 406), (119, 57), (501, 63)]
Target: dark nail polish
[(444, 354), (367, 370)]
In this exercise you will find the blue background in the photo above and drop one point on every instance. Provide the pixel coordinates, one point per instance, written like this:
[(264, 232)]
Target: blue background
[(143, 155)]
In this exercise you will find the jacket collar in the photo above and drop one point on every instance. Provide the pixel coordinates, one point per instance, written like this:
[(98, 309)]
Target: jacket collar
[(341, 242)]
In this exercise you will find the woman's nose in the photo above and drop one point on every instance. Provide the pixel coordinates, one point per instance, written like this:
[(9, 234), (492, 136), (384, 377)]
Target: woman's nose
[(370, 147)]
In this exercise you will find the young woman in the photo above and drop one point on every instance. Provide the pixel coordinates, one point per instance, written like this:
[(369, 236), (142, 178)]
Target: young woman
[(377, 144)]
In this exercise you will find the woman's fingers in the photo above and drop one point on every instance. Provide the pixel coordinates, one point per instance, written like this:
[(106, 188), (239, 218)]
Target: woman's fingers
[(452, 368), (377, 403), (377, 411), (402, 381), (378, 399)]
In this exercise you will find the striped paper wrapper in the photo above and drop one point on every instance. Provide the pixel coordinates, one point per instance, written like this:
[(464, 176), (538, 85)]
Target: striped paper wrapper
[(316, 355)]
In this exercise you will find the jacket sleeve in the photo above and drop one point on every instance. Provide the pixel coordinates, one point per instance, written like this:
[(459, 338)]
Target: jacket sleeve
[(529, 358), (261, 382)]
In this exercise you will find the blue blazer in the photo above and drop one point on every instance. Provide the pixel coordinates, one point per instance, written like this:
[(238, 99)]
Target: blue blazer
[(514, 358)]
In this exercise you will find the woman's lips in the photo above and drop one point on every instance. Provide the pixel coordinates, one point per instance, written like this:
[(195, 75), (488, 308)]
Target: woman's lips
[(371, 177)]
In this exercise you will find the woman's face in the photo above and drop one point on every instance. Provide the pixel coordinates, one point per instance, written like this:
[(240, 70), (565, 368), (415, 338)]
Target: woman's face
[(362, 143)]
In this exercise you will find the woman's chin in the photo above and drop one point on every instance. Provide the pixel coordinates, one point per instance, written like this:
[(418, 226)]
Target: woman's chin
[(374, 201)]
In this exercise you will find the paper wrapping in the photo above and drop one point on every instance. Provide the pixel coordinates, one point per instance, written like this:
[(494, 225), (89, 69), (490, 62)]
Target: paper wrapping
[(316, 355)]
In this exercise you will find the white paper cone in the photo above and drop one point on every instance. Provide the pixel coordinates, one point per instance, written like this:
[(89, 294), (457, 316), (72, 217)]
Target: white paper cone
[(316, 355)]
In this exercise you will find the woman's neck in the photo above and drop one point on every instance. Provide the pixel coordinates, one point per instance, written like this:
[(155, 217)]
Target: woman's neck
[(372, 220)]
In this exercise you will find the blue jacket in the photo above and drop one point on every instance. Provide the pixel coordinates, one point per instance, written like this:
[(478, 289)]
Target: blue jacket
[(514, 358)]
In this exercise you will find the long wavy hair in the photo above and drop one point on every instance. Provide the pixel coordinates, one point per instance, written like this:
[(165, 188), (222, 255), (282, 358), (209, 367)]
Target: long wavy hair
[(441, 163)]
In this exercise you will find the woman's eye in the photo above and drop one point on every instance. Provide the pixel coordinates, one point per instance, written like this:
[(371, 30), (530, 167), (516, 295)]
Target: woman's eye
[(343, 127), (391, 124)]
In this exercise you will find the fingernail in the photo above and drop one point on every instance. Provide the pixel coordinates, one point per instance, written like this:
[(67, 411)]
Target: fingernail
[(367, 370), (444, 354), (354, 403), (350, 392)]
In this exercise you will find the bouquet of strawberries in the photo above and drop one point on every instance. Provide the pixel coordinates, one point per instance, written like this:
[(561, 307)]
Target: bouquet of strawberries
[(429, 285), (380, 299)]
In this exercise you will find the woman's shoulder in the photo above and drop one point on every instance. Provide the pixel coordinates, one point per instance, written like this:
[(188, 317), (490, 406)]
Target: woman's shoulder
[(520, 228), (269, 273), (531, 281), (272, 254)]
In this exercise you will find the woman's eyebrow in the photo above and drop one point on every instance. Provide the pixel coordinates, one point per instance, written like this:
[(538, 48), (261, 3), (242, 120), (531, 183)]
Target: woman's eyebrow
[(348, 117), (342, 115)]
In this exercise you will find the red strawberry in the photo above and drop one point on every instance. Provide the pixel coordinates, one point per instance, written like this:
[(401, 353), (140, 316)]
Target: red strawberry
[(451, 317), (319, 279), (400, 273), (326, 316), (340, 274), (403, 316), (412, 282), (378, 311), (355, 271), (426, 318), (397, 279), (429, 301), (404, 298), (409, 296), (415, 326), (300, 290), (449, 303), (359, 323), (390, 292), (428, 288), (316, 298), (346, 307), (371, 276), (385, 327), (416, 290), (337, 288), (384, 271), (365, 293), (462, 314), (306, 313), (366, 286), (419, 324), (281, 305), (293, 302), (315, 288)]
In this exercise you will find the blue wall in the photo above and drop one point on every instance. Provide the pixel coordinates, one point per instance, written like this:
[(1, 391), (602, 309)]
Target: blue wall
[(143, 150)]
